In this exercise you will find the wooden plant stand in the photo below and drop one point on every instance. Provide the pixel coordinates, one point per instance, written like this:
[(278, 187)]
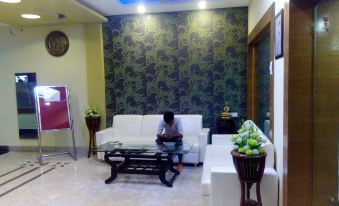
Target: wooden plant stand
[(250, 170), (93, 125)]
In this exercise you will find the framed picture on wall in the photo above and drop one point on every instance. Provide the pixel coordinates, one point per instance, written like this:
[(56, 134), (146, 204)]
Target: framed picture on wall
[(279, 34)]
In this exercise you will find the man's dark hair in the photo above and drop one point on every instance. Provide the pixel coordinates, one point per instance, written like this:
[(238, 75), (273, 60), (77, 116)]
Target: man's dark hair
[(168, 116)]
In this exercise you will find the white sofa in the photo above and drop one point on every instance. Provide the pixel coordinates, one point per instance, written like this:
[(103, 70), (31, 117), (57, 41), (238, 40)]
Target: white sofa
[(143, 129), (219, 178)]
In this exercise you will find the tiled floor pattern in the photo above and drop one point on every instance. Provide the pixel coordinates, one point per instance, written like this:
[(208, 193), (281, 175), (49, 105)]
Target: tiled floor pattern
[(62, 181)]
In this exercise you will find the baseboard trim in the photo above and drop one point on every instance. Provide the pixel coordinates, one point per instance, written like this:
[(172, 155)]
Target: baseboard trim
[(3, 149)]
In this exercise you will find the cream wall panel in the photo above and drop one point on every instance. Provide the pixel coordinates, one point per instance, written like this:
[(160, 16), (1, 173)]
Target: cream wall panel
[(257, 9), (95, 69), (24, 51)]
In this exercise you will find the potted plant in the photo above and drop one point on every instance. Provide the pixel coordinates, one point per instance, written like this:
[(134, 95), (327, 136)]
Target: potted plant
[(92, 116), (249, 161), (248, 140)]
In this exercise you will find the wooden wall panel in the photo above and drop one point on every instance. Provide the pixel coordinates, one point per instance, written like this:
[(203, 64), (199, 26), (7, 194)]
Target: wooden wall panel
[(305, 4), (326, 130), (286, 95), (299, 107), (266, 24)]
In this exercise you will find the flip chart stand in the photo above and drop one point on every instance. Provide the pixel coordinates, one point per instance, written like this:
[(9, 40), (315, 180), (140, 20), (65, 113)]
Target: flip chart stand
[(53, 114)]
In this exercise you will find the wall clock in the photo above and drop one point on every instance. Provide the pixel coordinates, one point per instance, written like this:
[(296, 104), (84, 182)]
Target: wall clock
[(57, 43)]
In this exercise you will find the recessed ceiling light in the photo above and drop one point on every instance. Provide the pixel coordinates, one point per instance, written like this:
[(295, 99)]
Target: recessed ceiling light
[(202, 5), (141, 9), (30, 16), (11, 1)]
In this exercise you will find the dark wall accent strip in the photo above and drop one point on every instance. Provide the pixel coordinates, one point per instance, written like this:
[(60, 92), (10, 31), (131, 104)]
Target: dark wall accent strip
[(16, 177), (9, 172), (22, 184)]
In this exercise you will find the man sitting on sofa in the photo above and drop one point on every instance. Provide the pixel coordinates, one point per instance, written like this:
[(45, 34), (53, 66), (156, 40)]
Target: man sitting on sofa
[(173, 133)]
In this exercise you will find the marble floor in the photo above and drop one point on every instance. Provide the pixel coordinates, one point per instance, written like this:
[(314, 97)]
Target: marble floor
[(67, 182)]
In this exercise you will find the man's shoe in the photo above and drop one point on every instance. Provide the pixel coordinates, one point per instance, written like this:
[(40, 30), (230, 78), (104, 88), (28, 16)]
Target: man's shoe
[(180, 167)]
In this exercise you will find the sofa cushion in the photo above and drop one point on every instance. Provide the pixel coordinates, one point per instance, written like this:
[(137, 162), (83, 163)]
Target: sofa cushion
[(215, 156), (195, 149), (149, 126), (127, 126), (192, 125), (269, 149)]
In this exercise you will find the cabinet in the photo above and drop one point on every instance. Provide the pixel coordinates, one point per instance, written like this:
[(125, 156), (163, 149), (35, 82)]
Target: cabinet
[(227, 126)]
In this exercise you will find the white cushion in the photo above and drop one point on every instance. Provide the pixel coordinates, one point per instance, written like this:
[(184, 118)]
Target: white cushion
[(222, 139), (149, 126), (269, 149), (143, 129), (215, 156), (192, 125), (195, 149), (127, 126)]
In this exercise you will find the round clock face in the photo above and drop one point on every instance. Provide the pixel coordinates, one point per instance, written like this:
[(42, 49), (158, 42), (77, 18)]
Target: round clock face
[(57, 43)]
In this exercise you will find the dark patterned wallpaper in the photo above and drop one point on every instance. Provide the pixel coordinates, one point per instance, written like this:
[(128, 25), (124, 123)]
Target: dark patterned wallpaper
[(189, 62), (263, 65)]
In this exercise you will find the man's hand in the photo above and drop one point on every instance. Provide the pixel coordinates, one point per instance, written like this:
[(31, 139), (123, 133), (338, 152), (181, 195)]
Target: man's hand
[(167, 136)]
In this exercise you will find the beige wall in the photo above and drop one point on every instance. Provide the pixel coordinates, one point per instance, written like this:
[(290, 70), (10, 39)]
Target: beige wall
[(257, 8), (256, 11), (95, 69), (24, 51)]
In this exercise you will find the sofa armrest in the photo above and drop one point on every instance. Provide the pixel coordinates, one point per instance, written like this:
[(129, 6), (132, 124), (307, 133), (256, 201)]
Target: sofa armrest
[(104, 136), (222, 139), (225, 187), (202, 140)]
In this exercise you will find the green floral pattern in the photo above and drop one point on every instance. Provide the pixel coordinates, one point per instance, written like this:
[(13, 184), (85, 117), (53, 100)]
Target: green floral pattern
[(189, 62)]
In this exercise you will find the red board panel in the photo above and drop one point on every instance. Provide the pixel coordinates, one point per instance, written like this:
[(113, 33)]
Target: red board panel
[(53, 107)]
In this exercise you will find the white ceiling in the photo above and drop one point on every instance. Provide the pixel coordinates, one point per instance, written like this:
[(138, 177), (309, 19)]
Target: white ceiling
[(114, 7), (50, 11)]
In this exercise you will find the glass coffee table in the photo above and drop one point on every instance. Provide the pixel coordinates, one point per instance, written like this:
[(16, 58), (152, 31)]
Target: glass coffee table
[(139, 158)]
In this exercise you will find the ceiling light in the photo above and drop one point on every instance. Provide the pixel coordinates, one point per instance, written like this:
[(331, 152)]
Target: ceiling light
[(30, 16), (202, 5), (11, 1), (141, 9)]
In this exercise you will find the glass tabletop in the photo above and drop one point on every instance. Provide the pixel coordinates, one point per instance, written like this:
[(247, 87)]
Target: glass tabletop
[(166, 147)]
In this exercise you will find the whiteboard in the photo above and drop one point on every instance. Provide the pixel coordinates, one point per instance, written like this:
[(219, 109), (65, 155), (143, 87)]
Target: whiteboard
[(53, 107)]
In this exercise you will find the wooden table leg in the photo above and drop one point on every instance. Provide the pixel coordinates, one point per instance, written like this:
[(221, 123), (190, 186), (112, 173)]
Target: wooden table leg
[(90, 144), (94, 142), (165, 166), (114, 171), (258, 194)]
